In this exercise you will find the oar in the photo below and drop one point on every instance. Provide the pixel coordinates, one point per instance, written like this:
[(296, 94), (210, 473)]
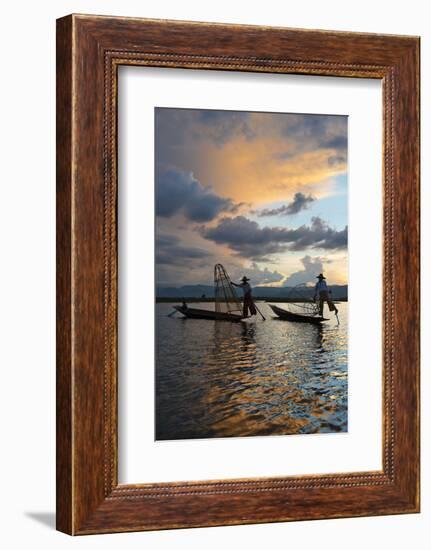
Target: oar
[(261, 314)]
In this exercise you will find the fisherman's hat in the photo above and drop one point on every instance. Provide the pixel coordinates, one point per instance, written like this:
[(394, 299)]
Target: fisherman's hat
[(320, 276), (245, 279)]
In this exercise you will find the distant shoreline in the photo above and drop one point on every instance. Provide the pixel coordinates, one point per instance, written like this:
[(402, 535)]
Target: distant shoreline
[(168, 300)]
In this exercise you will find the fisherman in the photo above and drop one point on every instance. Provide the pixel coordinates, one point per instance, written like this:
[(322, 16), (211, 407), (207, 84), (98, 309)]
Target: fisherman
[(322, 292), (248, 300)]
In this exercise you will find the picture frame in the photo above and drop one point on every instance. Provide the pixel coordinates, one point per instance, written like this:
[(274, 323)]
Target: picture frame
[(89, 51)]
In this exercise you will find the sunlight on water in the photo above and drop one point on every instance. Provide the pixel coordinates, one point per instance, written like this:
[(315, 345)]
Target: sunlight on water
[(222, 379)]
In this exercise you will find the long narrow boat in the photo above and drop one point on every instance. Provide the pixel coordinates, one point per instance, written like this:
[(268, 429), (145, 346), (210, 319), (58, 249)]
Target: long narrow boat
[(194, 313), (296, 317)]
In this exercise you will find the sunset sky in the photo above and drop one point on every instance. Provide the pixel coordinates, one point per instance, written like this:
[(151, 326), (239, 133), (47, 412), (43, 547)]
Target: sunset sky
[(265, 194)]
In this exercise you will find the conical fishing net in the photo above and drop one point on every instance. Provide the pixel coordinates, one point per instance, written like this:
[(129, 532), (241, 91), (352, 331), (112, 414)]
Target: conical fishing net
[(226, 301), (300, 301)]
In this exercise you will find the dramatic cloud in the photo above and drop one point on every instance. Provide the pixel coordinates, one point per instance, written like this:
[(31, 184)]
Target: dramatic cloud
[(175, 126), (169, 251), (222, 126), (300, 202), (253, 157), (257, 275), (338, 141), (321, 235), (248, 239), (178, 191), (312, 267), (315, 131), (337, 160), (212, 167)]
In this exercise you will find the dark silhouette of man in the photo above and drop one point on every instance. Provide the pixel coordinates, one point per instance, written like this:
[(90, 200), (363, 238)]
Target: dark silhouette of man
[(322, 292), (248, 304)]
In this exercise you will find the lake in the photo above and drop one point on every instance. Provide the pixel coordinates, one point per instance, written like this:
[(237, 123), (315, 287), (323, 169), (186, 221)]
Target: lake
[(253, 378)]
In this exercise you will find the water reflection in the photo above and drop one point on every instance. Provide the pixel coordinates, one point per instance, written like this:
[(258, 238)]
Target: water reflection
[(216, 379), (248, 342)]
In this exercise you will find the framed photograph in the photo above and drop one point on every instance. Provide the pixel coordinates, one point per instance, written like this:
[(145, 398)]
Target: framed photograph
[(237, 274)]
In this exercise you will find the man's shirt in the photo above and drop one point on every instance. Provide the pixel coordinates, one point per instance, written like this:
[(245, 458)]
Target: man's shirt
[(245, 288), (320, 286)]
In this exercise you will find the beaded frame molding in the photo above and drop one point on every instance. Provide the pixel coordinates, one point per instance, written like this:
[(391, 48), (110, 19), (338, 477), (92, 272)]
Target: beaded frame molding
[(89, 51)]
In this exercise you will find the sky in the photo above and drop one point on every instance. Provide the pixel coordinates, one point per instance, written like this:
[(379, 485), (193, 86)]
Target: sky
[(265, 194)]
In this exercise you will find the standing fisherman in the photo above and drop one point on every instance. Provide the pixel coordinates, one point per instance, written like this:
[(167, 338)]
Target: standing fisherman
[(248, 300), (321, 291)]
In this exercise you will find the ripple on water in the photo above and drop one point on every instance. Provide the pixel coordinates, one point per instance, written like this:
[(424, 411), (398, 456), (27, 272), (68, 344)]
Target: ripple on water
[(251, 378)]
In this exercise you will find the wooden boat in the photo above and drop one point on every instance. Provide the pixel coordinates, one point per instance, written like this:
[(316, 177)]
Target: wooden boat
[(296, 317), (227, 305), (194, 313)]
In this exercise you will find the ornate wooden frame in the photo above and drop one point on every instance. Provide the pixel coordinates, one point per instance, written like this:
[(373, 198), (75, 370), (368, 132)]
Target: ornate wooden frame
[(89, 51)]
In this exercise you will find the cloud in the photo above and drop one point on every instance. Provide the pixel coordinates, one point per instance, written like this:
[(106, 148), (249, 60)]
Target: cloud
[(222, 126), (338, 141), (175, 126), (257, 275), (178, 191), (169, 251), (253, 157), (312, 267), (337, 160), (300, 202), (248, 239), (321, 235), (316, 131)]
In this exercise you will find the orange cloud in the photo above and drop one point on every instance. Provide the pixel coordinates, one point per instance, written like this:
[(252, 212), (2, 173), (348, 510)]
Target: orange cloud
[(252, 170)]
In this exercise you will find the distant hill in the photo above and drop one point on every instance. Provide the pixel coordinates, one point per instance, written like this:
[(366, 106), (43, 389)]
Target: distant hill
[(339, 292)]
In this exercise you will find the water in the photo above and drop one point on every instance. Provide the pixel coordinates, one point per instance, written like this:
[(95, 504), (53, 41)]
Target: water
[(253, 378)]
